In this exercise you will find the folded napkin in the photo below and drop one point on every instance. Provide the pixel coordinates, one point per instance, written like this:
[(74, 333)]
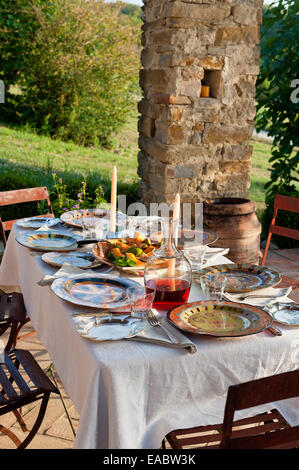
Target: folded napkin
[(272, 295), (65, 270), (215, 256), (156, 335)]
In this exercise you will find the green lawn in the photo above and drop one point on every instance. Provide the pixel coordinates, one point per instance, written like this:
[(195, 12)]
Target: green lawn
[(39, 154)]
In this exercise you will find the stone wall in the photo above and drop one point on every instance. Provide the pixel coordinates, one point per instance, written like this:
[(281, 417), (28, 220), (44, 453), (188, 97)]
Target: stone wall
[(190, 144)]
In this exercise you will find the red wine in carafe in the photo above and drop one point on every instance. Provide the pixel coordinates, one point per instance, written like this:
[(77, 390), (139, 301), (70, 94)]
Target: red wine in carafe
[(169, 292)]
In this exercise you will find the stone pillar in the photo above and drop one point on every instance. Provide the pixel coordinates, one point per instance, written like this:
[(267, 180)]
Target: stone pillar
[(188, 143)]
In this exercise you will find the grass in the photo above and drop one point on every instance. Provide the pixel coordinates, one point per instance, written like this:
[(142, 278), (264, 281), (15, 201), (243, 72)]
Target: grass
[(43, 155)]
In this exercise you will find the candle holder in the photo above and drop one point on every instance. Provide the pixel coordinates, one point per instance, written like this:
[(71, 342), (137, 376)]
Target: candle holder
[(205, 91)]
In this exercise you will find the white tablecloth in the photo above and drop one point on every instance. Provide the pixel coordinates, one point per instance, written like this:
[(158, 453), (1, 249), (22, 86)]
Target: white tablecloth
[(130, 394)]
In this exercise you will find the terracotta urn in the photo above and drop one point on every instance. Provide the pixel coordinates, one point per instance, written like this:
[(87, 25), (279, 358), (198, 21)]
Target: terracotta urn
[(237, 226)]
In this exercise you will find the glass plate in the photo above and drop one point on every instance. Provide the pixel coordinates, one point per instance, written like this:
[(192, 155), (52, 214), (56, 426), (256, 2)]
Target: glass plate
[(94, 290), (243, 277), (83, 260), (37, 222), (284, 313), (203, 237), (47, 241), (220, 318)]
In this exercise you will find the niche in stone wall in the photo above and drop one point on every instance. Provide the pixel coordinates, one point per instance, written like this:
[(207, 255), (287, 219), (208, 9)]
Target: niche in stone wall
[(213, 79)]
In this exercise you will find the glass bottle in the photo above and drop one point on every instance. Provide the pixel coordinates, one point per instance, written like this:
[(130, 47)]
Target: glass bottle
[(168, 271)]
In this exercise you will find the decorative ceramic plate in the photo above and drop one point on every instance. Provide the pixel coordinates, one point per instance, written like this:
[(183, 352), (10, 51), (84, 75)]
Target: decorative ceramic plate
[(83, 260), (90, 216), (284, 313), (37, 222), (47, 241), (108, 329), (203, 237), (220, 318), (243, 277), (94, 290)]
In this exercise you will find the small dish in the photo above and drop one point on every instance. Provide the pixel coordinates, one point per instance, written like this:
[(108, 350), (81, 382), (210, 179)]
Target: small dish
[(284, 313), (99, 328)]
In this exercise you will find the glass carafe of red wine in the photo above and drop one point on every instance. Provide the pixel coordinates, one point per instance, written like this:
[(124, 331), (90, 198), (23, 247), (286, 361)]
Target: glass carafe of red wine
[(168, 271)]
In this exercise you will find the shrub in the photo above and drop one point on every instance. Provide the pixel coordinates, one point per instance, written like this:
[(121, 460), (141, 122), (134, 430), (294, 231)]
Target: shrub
[(63, 188), (79, 69), (277, 108)]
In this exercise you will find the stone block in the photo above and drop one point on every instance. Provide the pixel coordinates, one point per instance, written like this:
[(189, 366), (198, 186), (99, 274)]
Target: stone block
[(235, 35), (246, 14), (165, 98), (210, 14), (212, 62), (170, 133), (220, 134), (146, 126), (150, 109)]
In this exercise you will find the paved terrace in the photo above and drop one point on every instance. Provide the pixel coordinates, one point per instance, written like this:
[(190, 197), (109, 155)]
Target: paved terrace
[(55, 431)]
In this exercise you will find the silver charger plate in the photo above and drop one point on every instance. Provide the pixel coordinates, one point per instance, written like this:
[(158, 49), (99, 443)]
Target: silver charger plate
[(99, 328), (284, 313)]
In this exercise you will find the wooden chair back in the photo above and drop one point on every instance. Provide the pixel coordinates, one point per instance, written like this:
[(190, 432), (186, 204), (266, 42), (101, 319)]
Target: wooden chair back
[(255, 393), (286, 203), (18, 196)]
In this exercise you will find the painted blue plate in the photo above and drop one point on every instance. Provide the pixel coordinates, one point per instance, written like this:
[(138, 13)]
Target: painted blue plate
[(94, 290), (47, 241)]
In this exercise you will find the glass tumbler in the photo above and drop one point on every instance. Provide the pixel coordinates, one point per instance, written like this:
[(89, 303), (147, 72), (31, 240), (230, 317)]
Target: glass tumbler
[(213, 286), (141, 301)]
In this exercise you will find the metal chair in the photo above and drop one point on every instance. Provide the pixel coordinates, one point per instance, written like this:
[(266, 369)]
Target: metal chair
[(286, 203), (264, 431), (23, 382), (18, 196), (13, 317)]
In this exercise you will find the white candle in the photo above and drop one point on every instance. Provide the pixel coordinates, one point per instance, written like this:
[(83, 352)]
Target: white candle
[(113, 200), (175, 218)]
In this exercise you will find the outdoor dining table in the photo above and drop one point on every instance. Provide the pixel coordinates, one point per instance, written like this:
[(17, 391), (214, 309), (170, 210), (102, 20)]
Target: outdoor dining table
[(130, 394)]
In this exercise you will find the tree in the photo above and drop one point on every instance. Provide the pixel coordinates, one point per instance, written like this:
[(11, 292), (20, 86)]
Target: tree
[(277, 102), (78, 69)]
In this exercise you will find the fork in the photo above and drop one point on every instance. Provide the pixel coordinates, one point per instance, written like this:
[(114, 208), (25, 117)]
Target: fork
[(155, 321), (244, 297)]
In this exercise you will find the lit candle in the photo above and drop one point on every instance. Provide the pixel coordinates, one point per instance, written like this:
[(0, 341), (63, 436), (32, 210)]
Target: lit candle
[(176, 216), (175, 225), (113, 200)]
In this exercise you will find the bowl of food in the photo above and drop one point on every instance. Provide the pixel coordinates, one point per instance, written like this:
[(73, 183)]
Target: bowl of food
[(126, 253)]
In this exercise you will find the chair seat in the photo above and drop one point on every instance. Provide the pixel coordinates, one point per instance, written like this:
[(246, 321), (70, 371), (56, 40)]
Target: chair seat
[(209, 437)]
